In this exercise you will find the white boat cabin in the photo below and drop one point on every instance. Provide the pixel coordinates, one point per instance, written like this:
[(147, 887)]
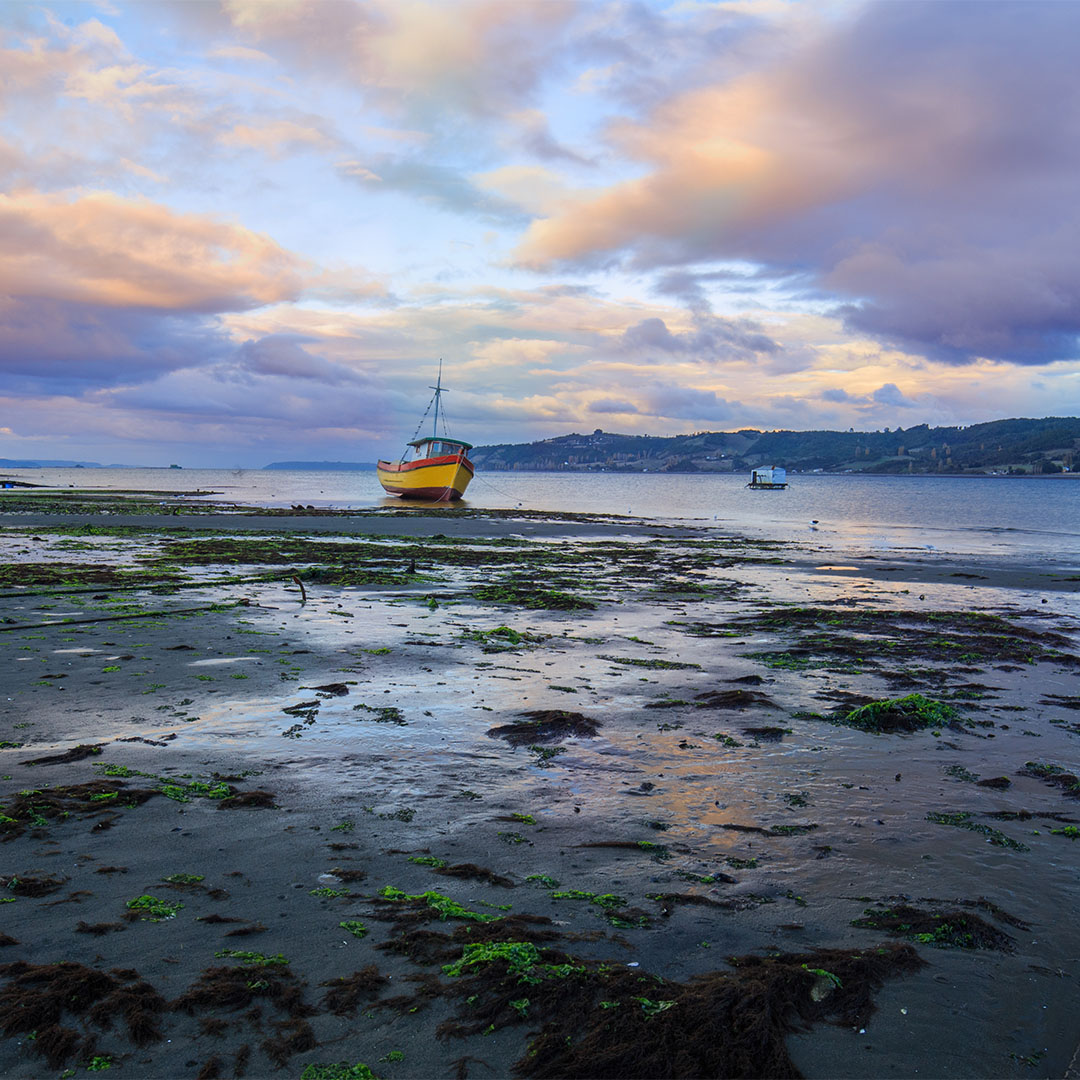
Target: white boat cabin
[(439, 447), (772, 477)]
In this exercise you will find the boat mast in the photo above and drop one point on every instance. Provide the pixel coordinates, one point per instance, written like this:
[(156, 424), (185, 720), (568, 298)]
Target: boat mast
[(438, 388)]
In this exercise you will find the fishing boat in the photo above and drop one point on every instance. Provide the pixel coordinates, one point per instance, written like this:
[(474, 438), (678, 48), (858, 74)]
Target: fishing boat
[(439, 469), (771, 479)]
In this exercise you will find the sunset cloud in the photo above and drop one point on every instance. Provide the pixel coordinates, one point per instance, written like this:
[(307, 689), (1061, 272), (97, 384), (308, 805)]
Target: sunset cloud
[(907, 182), (99, 248)]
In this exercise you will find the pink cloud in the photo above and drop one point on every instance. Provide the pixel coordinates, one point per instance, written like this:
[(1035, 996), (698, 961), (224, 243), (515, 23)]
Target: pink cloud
[(104, 249)]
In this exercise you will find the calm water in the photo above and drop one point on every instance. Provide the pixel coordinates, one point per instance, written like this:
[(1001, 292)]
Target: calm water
[(1032, 517)]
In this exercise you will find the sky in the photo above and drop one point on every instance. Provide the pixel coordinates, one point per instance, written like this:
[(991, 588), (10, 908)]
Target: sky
[(242, 231)]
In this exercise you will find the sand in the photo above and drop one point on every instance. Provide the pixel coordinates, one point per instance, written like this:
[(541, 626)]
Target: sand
[(720, 803)]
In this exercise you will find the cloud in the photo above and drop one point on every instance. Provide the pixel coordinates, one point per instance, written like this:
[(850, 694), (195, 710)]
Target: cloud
[(103, 249), (278, 137), (65, 347), (712, 339), (284, 354), (837, 394), (443, 186), (535, 135), (890, 394), (474, 58), (612, 405), (239, 52), (684, 403), (918, 162)]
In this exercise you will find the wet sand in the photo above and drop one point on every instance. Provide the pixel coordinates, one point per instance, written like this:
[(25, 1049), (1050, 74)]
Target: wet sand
[(722, 808)]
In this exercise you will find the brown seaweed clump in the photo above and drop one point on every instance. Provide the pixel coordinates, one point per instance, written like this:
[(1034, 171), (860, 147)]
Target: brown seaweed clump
[(1054, 775), (44, 998), (76, 753), (39, 807), (20, 885), (546, 726), (227, 989), (248, 800), (943, 930), (602, 1021), (472, 872), (347, 993)]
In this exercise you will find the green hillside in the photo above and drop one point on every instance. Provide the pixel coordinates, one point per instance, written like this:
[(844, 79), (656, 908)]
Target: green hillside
[(1016, 446)]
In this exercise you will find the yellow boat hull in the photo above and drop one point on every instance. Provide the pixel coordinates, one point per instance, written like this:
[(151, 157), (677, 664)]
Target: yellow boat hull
[(433, 479)]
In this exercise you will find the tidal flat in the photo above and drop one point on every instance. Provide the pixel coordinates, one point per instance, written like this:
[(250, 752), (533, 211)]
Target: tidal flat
[(457, 793)]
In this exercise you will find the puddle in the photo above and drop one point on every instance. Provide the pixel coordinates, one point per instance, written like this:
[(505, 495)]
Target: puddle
[(219, 661)]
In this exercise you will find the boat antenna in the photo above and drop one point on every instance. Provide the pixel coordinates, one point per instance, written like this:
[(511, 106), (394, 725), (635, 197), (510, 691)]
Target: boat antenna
[(438, 388)]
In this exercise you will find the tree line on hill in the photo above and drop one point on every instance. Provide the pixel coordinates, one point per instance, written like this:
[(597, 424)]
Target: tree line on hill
[(1014, 447)]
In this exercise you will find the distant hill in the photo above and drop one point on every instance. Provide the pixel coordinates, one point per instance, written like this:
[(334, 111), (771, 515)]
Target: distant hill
[(322, 466), (43, 463), (1014, 447)]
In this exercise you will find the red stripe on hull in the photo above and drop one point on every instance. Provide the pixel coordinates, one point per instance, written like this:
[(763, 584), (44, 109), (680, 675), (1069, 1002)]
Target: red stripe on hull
[(424, 463)]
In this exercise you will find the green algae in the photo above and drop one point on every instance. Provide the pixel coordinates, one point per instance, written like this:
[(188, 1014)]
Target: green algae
[(338, 1071), (443, 905), (911, 713), (651, 663), (524, 595), (255, 959), (522, 959), (154, 910), (963, 820)]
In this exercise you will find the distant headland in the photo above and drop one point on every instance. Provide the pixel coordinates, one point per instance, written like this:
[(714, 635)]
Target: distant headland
[(321, 466)]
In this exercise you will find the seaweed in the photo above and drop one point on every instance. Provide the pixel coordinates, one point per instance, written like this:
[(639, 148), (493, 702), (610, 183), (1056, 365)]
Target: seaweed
[(30, 886), (347, 993), (546, 726), (603, 1020), (38, 998), (38, 807), (1055, 775), (76, 753), (652, 663), (962, 820), (874, 637), (767, 733), (472, 872), (382, 714), (292, 1036), (503, 638), (669, 901), (248, 800), (430, 905), (901, 715), (943, 930), (229, 989), (338, 1070), (528, 596)]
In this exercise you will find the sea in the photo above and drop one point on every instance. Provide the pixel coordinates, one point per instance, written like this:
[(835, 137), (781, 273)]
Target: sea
[(1034, 518)]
